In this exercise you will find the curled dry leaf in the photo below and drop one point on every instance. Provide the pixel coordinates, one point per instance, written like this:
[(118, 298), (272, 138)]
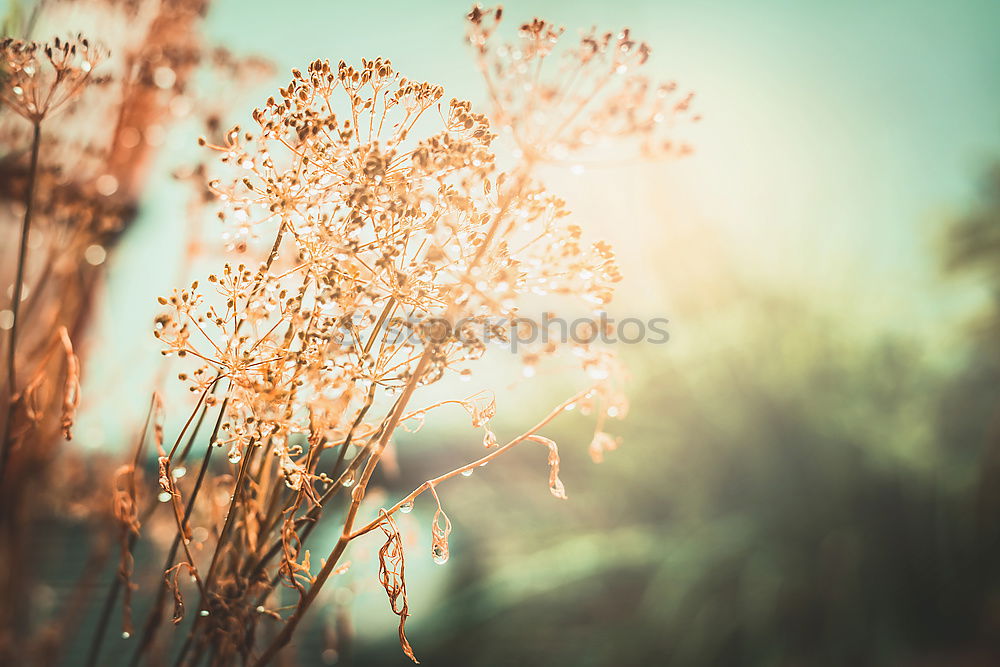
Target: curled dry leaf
[(391, 574), (602, 442), (71, 388), (164, 479), (555, 484), (440, 530), (414, 423), (127, 514), (170, 577), (124, 503), (295, 574), (158, 416), (481, 410), (292, 472)]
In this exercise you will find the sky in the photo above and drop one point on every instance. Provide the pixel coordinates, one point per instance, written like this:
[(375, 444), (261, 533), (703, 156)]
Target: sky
[(838, 139)]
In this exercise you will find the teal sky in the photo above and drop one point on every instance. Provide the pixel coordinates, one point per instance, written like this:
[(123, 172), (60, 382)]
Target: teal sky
[(838, 140), (837, 135)]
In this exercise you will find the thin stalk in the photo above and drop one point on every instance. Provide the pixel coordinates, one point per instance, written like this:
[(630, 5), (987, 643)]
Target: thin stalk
[(156, 612), (220, 546), (29, 208), (313, 514), (432, 483), (357, 495)]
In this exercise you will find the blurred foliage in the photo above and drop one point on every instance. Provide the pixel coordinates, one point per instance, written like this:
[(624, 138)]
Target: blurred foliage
[(13, 22), (787, 496)]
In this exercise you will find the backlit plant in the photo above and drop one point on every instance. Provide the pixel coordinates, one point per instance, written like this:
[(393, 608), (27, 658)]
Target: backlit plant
[(401, 244)]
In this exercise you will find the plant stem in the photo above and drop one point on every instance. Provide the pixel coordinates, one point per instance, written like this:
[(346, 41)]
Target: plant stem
[(357, 496), (29, 206), (432, 483), (156, 611), (358, 493)]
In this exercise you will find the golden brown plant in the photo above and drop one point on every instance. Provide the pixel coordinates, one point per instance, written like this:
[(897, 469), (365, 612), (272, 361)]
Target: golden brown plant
[(79, 127), (38, 80), (398, 250)]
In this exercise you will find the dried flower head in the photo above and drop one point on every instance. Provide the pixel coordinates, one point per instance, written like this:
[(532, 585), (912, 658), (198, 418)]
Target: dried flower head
[(560, 101), (40, 78), (398, 251)]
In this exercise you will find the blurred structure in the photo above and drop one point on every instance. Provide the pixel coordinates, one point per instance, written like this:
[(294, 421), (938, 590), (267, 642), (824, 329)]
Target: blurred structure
[(93, 160)]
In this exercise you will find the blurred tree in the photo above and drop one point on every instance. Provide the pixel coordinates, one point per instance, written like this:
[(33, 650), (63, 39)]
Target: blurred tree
[(789, 496)]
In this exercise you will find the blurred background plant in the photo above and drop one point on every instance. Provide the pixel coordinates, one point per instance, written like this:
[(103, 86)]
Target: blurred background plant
[(82, 123)]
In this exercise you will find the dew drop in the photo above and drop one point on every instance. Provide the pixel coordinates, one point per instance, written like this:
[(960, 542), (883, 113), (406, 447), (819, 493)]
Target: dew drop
[(467, 473), (235, 455), (348, 481), (106, 185), (164, 497), (440, 557), (406, 508), (178, 472), (203, 612), (597, 373), (126, 635)]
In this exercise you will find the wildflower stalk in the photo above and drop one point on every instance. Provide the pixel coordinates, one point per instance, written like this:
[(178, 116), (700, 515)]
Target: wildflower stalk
[(406, 245), (432, 483), (313, 514), (357, 495), (22, 255)]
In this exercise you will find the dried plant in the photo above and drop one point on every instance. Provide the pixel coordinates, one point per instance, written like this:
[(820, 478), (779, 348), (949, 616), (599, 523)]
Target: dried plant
[(392, 576), (398, 248), (79, 126), (38, 80)]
